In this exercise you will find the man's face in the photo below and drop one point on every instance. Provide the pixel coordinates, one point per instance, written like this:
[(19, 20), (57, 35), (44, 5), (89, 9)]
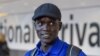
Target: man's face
[(47, 29)]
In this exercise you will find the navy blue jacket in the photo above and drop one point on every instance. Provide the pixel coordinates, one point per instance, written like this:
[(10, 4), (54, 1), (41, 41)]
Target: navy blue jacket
[(59, 48)]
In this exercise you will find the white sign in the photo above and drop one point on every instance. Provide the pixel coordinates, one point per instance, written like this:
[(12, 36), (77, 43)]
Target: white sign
[(81, 27)]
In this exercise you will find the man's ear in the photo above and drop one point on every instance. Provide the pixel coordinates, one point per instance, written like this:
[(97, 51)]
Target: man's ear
[(60, 25)]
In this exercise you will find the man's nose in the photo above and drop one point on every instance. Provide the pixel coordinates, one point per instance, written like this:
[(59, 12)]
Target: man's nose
[(45, 27)]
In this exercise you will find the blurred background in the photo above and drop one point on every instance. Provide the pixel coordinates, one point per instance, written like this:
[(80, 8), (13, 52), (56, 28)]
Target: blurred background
[(81, 24)]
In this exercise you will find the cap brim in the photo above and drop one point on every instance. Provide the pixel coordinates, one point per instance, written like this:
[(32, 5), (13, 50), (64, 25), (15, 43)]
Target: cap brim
[(35, 17)]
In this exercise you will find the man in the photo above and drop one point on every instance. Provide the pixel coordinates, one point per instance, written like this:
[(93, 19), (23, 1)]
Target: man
[(47, 21)]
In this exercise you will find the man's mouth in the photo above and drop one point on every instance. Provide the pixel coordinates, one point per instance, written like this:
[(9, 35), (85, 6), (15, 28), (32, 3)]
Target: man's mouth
[(45, 36)]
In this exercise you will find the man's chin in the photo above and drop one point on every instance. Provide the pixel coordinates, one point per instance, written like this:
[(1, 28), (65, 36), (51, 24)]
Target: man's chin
[(47, 41)]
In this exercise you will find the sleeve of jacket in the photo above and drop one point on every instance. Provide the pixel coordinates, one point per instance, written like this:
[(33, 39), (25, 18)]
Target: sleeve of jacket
[(28, 53), (82, 54)]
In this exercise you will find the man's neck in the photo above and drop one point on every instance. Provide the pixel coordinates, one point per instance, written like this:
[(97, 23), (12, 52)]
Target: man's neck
[(45, 47)]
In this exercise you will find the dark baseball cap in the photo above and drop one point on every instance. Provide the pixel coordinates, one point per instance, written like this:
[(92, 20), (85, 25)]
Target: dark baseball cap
[(47, 9)]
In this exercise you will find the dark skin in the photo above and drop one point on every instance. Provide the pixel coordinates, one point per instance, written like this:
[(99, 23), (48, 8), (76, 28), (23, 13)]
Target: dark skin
[(47, 31)]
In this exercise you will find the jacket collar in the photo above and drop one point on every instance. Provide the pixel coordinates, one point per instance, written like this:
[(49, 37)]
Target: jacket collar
[(55, 48)]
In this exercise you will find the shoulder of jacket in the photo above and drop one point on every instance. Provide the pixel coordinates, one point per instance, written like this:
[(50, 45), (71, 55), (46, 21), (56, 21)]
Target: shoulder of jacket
[(73, 50), (28, 53), (33, 52)]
